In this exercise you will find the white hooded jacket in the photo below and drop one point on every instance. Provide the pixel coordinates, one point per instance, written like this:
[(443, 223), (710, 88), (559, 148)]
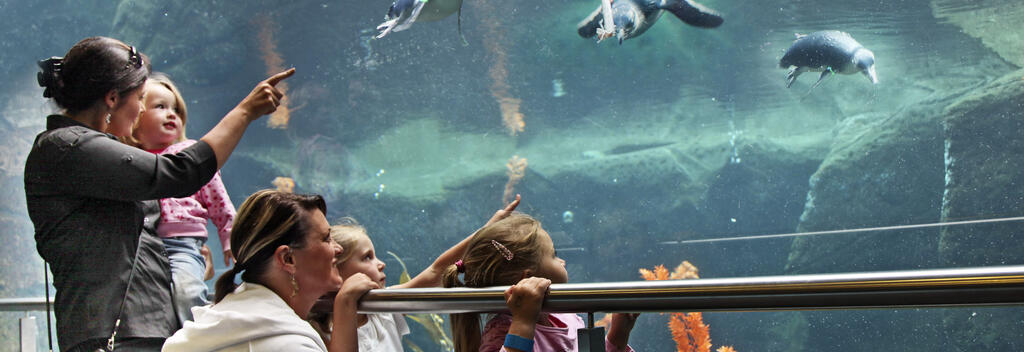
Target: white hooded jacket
[(252, 318)]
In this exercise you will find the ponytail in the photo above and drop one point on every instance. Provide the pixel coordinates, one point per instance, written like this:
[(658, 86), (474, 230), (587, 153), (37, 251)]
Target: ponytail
[(465, 326), (225, 284)]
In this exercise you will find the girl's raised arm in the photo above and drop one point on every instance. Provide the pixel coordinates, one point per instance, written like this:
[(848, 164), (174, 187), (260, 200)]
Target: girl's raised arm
[(431, 277)]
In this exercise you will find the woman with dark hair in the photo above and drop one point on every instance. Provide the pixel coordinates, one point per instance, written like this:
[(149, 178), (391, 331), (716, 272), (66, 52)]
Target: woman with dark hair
[(92, 198), (284, 252)]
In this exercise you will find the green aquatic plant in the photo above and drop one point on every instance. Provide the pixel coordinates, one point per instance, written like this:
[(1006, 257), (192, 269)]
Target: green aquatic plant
[(433, 323)]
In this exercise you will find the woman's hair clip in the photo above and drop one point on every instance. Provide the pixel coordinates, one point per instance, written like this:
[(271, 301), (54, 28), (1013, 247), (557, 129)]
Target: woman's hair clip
[(503, 250), (460, 266), (134, 59), (50, 75)]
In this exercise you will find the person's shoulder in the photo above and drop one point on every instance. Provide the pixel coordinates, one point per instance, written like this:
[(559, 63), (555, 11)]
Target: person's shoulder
[(64, 139), (286, 342), (68, 134)]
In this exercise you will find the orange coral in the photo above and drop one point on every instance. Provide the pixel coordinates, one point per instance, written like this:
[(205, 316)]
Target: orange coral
[(275, 63), (688, 329), (659, 273), (685, 270), (516, 170), (494, 40), (690, 332), (284, 184)]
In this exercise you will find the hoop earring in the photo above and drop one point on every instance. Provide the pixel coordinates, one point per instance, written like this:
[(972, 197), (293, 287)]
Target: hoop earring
[(295, 287), (107, 119)]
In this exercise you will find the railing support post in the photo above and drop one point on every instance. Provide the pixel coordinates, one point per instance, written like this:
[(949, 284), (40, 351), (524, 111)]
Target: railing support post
[(28, 333), (591, 339)]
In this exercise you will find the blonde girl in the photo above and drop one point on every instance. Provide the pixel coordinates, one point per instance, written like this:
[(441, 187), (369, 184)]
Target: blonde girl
[(160, 129), (518, 251), (383, 332)]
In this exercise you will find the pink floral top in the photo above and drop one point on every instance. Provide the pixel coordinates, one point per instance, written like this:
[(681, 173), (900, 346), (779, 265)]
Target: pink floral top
[(558, 338), (186, 217)]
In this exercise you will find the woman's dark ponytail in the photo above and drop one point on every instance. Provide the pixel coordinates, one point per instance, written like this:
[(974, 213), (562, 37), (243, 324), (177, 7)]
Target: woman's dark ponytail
[(225, 284)]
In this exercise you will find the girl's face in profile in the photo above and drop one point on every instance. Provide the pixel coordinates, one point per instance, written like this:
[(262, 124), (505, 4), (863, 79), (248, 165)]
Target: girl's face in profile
[(160, 123), (551, 266), (364, 260), (124, 115)]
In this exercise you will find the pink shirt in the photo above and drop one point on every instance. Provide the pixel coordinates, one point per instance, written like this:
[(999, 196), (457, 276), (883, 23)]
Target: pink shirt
[(186, 217), (559, 338)]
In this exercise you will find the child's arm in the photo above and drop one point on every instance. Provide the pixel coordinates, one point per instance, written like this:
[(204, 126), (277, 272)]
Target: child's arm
[(524, 300), (346, 321), (214, 196), (431, 277), (618, 332)]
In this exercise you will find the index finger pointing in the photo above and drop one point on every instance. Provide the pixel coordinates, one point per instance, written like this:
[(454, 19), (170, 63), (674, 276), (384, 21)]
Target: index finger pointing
[(275, 79), (515, 203)]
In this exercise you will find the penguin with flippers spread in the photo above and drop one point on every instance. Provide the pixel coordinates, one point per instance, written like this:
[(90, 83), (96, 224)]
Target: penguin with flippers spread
[(828, 52), (634, 17), (403, 13)]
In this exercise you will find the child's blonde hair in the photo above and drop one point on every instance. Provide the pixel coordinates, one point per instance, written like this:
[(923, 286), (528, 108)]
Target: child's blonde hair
[(498, 255), (346, 233), (179, 108)]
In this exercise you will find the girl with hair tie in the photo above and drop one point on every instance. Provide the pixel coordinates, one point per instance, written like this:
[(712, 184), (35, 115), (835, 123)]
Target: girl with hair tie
[(517, 251)]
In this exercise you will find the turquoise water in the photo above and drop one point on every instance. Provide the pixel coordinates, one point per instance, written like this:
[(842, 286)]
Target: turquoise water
[(680, 134)]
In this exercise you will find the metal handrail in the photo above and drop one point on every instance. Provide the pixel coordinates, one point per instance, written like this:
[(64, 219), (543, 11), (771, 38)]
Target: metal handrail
[(31, 304), (1001, 285)]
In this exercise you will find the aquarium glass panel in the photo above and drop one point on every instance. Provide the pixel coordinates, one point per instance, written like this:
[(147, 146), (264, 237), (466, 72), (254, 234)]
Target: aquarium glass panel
[(745, 138)]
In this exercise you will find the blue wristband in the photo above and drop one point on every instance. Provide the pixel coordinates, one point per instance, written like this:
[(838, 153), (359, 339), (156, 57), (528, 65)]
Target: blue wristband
[(518, 342)]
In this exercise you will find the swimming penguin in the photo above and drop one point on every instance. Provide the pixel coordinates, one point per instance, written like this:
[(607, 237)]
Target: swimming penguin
[(827, 52), (633, 17), (403, 13)]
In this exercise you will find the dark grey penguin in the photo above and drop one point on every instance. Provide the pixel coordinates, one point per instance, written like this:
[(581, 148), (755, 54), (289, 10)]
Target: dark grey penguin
[(633, 17), (827, 52), (403, 13)]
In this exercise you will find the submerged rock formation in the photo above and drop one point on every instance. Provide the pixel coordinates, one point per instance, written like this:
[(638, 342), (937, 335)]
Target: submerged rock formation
[(952, 157), (984, 175), (984, 179)]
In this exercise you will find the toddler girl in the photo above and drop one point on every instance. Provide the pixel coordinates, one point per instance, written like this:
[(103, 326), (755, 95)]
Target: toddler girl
[(182, 227), (383, 332), (517, 251)]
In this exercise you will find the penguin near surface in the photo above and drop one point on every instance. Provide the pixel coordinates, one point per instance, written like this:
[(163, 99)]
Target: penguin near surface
[(403, 13), (634, 17), (828, 52)]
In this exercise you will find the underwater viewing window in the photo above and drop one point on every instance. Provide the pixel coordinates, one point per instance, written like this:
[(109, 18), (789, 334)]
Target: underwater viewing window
[(741, 143)]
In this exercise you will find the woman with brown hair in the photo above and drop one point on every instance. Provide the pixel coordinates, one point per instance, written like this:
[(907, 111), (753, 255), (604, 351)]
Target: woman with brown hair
[(284, 252), (92, 198)]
